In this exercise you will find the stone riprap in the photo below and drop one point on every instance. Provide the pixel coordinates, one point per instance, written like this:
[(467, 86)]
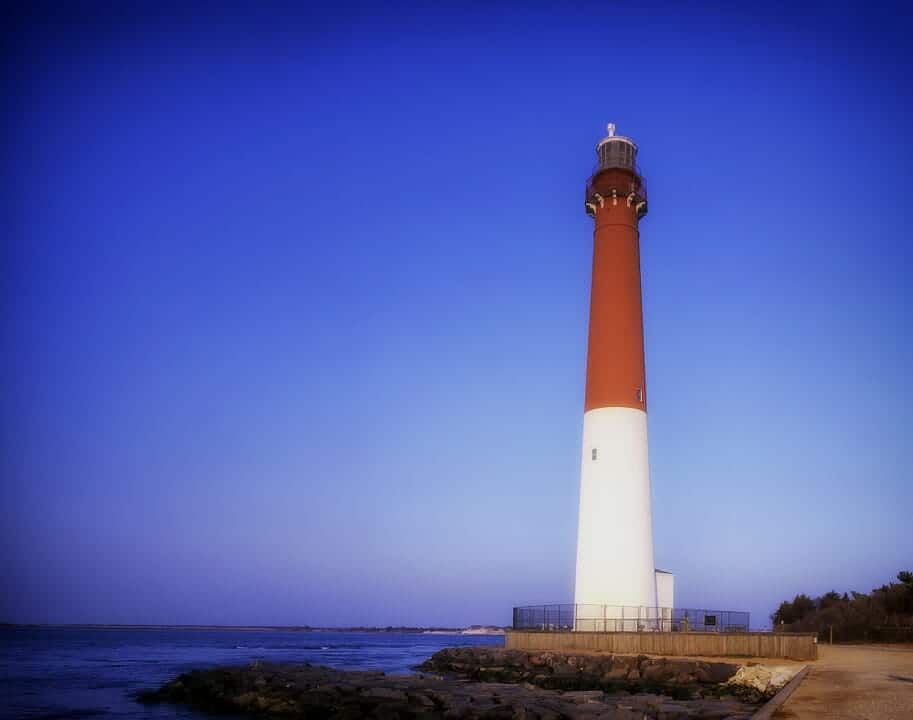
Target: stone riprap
[(308, 691), (561, 671)]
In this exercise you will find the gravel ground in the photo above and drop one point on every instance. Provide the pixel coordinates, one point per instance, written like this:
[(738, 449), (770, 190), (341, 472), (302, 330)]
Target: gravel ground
[(855, 682)]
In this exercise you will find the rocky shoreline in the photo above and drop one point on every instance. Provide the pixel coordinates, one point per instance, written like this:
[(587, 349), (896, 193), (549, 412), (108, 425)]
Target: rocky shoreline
[(563, 671), (479, 682)]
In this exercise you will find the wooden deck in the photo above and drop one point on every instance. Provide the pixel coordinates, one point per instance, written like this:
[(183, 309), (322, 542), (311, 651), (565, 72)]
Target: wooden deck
[(794, 646)]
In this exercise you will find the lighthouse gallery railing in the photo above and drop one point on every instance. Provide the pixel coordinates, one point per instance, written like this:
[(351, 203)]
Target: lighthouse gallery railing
[(622, 618)]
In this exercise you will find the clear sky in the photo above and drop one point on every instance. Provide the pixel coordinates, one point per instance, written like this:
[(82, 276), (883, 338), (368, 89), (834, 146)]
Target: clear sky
[(295, 304)]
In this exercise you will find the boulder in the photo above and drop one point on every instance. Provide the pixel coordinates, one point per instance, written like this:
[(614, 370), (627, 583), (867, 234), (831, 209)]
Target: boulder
[(655, 672), (715, 672), (764, 679), (584, 696), (383, 693)]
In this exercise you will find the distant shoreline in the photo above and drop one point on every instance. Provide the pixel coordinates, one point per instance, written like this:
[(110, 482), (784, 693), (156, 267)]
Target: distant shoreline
[(471, 630)]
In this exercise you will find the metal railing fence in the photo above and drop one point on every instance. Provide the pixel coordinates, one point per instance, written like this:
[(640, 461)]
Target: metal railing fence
[(625, 618)]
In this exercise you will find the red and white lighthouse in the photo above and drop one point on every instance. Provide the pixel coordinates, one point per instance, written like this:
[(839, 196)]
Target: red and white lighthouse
[(615, 533)]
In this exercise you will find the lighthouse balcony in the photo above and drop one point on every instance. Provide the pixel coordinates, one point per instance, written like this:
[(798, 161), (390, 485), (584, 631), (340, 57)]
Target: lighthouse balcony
[(616, 184), (617, 618)]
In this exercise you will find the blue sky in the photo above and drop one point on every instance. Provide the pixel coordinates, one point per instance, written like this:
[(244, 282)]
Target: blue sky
[(295, 305)]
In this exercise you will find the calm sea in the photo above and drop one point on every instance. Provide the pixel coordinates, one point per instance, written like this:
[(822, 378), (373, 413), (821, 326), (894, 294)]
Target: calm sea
[(77, 673)]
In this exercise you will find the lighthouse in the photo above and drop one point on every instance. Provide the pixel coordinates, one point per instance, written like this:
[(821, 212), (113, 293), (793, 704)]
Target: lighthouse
[(616, 576)]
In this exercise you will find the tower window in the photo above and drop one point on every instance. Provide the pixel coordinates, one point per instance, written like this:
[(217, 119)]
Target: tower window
[(594, 453), (640, 395)]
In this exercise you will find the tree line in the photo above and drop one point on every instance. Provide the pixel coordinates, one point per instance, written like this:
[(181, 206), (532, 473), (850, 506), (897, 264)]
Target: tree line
[(883, 615)]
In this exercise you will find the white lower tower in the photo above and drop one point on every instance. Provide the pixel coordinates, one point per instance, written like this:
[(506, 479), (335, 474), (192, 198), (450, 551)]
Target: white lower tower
[(615, 532)]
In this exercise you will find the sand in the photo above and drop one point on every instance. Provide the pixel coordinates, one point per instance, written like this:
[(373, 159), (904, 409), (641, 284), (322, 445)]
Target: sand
[(855, 682)]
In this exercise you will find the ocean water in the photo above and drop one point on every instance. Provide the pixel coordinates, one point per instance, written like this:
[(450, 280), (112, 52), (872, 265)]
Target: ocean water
[(74, 673)]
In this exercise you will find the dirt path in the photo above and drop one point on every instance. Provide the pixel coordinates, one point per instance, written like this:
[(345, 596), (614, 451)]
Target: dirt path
[(855, 682)]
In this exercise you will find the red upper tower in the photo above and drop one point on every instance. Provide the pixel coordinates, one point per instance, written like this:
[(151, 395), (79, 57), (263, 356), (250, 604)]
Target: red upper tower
[(616, 198)]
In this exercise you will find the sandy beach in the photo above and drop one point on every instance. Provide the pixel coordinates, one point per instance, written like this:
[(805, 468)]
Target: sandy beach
[(855, 682)]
